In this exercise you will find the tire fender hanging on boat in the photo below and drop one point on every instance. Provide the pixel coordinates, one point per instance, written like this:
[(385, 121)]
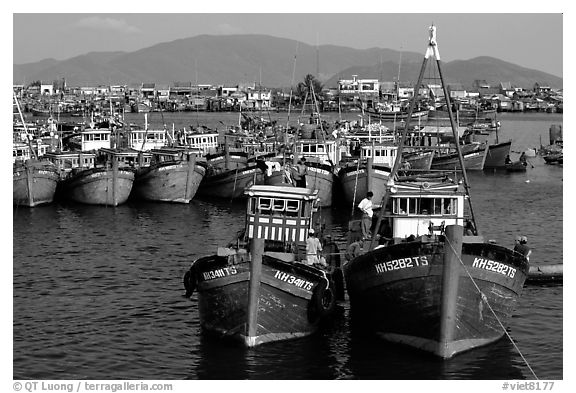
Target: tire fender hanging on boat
[(322, 302)]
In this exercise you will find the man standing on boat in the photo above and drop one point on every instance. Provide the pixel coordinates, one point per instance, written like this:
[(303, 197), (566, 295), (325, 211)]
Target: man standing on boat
[(313, 248), (366, 206), (301, 166)]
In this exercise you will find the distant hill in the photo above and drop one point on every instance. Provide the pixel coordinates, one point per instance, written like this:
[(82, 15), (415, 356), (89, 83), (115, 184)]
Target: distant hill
[(270, 60)]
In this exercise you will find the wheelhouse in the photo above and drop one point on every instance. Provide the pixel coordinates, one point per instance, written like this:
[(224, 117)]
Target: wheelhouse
[(94, 139), (280, 214), (420, 208)]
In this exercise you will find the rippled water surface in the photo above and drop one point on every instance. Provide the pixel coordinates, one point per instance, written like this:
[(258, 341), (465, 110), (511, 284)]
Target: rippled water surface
[(98, 290)]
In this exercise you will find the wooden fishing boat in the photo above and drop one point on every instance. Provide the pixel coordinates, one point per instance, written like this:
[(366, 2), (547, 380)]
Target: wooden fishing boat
[(433, 283), (554, 158), (369, 173), (173, 175), (474, 159), (34, 182), (104, 183), (230, 184), (496, 155), (259, 289), (516, 166), (396, 116)]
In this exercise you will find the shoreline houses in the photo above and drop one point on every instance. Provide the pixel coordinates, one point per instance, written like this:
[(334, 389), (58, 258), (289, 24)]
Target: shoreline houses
[(356, 94)]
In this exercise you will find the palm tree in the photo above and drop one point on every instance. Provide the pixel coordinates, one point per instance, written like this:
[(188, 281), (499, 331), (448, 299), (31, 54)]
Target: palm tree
[(305, 88)]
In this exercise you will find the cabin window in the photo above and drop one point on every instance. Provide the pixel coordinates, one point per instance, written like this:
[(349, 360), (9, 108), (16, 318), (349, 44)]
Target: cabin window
[(413, 205), (426, 206), (320, 148), (292, 208), (449, 205), (400, 206), (306, 149), (252, 206), (279, 205), (264, 205)]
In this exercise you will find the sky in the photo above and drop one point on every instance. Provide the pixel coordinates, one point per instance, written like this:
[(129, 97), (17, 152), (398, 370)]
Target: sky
[(532, 40)]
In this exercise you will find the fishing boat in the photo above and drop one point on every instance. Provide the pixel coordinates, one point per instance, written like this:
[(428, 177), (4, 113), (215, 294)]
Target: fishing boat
[(96, 174), (370, 172), (260, 288), (433, 283), (395, 115), (34, 179), (34, 182), (173, 175), (474, 158)]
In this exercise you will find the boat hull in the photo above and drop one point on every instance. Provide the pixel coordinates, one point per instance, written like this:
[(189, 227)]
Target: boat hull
[(496, 155), (175, 182), (401, 292), (390, 117), (34, 184), (422, 160), (356, 182), (318, 178), (98, 186), (230, 184), (473, 160), (286, 298)]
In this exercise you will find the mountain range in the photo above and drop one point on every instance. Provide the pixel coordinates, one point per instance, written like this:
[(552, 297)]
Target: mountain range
[(265, 60)]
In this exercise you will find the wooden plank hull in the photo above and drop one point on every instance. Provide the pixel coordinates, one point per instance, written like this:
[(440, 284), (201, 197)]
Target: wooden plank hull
[(286, 298), (390, 117), (398, 291), (321, 179), (34, 184), (496, 155), (354, 182), (230, 184), (168, 182), (422, 160), (98, 186), (473, 160)]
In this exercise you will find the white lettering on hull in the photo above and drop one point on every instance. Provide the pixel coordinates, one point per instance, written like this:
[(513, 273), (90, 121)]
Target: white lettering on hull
[(401, 263), (219, 273), (293, 280), (494, 266)]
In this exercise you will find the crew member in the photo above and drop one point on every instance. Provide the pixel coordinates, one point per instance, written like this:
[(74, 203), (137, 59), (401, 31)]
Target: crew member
[(365, 206)]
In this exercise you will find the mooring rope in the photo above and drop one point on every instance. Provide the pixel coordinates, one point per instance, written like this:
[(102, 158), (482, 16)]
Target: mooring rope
[(485, 299)]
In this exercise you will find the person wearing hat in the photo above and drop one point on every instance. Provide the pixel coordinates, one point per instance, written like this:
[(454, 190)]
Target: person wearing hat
[(521, 247), (313, 248)]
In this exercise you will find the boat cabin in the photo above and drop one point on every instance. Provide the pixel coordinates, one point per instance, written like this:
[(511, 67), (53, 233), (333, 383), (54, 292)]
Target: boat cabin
[(20, 152), (280, 214), (381, 153), (95, 138), (422, 208), (69, 160), (318, 151), (144, 140), (172, 154), (204, 142), (126, 157)]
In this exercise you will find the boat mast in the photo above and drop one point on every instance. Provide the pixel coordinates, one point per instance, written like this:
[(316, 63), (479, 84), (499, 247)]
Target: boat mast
[(25, 128), (432, 50)]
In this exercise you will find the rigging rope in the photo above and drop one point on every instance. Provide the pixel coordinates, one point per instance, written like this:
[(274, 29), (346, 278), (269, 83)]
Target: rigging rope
[(485, 299)]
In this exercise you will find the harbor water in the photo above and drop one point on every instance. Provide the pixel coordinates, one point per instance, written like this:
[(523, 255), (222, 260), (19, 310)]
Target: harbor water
[(98, 294)]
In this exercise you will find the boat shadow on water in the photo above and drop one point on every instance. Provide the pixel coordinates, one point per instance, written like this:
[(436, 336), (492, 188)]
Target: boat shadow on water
[(498, 360), (310, 357)]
